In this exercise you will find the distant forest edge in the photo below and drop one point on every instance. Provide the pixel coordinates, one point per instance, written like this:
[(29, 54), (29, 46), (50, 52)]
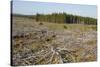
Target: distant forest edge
[(61, 18)]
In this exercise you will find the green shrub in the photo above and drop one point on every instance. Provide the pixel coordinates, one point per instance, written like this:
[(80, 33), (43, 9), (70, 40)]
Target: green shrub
[(40, 23), (65, 27)]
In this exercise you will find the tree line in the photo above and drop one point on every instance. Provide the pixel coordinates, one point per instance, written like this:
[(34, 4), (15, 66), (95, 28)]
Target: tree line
[(64, 18)]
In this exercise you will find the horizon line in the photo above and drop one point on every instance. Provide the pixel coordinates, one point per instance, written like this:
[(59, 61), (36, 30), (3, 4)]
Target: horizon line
[(50, 13)]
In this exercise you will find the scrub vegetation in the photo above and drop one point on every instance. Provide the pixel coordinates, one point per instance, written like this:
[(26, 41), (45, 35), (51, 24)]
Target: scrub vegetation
[(53, 39)]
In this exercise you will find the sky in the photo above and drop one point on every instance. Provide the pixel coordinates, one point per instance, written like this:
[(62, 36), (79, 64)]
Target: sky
[(32, 8)]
